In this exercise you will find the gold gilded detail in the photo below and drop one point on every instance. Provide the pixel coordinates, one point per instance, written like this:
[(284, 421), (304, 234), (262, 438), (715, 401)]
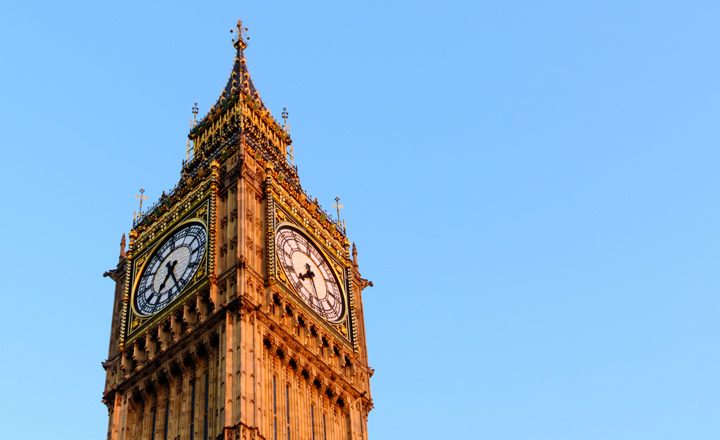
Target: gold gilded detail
[(201, 212), (140, 261)]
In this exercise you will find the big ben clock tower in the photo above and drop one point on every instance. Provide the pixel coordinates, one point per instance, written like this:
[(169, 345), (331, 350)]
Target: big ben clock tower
[(238, 305)]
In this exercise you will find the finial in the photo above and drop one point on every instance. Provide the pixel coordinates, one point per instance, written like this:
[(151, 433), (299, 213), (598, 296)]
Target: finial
[(122, 247), (193, 121), (354, 255), (287, 130), (338, 206), (141, 197), (239, 39)]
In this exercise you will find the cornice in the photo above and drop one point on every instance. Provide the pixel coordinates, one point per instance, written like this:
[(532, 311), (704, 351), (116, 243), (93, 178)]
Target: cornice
[(316, 366), (177, 352)]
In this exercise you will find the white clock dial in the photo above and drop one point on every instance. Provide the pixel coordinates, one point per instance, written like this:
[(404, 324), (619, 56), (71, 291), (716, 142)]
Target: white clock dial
[(309, 273), (170, 268)]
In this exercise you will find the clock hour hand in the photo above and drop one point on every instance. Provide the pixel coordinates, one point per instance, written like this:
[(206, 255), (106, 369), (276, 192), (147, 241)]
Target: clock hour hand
[(310, 274), (171, 268)]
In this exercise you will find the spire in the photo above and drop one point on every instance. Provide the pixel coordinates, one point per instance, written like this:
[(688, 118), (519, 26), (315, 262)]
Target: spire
[(239, 77), (239, 92), (354, 255), (122, 247)]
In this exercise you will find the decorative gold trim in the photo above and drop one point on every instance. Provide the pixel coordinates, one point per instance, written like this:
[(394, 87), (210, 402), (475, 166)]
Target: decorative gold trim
[(151, 252), (351, 302), (270, 225), (343, 290)]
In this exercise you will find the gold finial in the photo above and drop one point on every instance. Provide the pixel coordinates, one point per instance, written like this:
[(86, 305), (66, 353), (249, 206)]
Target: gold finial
[(287, 130), (338, 206), (240, 30), (193, 121), (141, 197)]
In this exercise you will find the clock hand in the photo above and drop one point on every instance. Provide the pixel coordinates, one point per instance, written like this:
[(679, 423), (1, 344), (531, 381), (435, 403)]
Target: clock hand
[(162, 285), (171, 271), (317, 299), (312, 283), (307, 274), (171, 268), (174, 279), (310, 274)]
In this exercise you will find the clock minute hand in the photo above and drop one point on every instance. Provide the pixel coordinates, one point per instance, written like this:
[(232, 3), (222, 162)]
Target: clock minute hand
[(312, 283), (174, 279)]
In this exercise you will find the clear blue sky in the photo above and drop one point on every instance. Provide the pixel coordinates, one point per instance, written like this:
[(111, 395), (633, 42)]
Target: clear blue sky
[(533, 188)]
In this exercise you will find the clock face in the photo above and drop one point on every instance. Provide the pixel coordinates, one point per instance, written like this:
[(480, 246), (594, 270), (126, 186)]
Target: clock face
[(170, 268), (309, 273)]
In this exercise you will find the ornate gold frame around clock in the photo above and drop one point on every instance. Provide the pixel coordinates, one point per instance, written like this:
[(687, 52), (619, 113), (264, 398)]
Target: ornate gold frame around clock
[(282, 216), (199, 274), (199, 212), (281, 275)]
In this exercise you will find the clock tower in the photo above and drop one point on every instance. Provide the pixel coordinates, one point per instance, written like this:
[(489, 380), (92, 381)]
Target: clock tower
[(238, 305)]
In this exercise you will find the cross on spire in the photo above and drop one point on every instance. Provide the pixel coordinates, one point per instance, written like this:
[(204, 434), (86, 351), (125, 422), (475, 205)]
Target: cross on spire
[(338, 206), (141, 197)]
